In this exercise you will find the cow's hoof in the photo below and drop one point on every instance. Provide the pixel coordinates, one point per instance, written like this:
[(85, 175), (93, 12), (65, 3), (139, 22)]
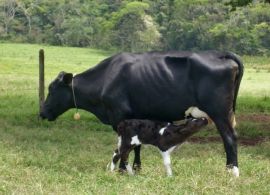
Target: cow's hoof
[(137, 167), (234, 170)]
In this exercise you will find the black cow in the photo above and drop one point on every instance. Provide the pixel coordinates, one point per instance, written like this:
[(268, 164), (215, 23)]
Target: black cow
[(157, 86)]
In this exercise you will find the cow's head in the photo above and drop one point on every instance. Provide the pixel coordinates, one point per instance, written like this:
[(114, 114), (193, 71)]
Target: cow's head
[(59, 98)]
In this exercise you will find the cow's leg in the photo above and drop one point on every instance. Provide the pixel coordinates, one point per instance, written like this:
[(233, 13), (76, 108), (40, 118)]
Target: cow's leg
[(229, 137), (137, 158)]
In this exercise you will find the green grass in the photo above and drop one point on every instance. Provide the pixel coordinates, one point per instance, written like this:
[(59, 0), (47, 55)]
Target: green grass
[(255, 83), (70, 157)]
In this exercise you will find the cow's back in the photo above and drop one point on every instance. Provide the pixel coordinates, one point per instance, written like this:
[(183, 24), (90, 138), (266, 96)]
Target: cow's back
[(163, 86)]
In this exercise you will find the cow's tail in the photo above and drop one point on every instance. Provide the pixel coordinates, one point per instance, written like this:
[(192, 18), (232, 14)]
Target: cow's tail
[(239, 75), (234, 57)]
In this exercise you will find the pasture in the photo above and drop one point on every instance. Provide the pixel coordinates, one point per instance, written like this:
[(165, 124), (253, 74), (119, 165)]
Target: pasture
[(70, 157)]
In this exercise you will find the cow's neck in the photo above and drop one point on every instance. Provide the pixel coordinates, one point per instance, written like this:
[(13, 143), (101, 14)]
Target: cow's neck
[(87, 96)]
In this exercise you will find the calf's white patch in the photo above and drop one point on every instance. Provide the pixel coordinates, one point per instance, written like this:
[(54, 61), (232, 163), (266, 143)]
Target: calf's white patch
[(161, 131), (129, 169), (112, 166), (135, 140), (167, 160)]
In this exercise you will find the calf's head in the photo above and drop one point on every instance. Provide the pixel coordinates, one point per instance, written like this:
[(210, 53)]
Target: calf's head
[(193, 125), (59, 98)]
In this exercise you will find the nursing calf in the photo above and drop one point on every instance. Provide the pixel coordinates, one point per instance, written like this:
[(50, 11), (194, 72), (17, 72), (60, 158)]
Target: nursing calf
[(165, 136)]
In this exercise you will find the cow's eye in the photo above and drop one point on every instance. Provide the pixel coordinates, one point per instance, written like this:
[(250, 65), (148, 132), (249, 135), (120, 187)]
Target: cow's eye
[(51, 88)]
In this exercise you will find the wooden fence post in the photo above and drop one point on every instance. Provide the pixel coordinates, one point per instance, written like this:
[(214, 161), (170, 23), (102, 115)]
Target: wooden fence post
[(41, 79)]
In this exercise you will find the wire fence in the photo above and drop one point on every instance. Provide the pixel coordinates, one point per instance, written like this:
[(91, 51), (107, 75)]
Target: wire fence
[(18, 89)]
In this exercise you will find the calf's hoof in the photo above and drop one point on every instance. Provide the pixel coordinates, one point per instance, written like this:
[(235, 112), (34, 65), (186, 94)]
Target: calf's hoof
[(137, 167), (126, 171), (110, 167), (122, 171)]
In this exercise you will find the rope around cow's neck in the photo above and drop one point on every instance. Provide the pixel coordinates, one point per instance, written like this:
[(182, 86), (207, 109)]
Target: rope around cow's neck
[(73, 95), (76, 115)]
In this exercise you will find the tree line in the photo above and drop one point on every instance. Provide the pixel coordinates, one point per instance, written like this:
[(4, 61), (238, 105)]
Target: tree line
[(242, 26)]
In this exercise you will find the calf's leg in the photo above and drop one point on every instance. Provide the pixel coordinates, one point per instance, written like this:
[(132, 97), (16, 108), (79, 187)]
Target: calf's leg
[(122, 166), (120, 144), (124, 159), (116, 157), (123, 162), (167, 160), (137, 158)]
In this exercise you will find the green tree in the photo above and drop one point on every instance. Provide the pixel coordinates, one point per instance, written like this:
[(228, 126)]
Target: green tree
[(8, 10), (188, 28), (132, 28)]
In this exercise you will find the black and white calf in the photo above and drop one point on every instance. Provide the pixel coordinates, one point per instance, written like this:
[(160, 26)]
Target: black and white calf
[(165, 136)]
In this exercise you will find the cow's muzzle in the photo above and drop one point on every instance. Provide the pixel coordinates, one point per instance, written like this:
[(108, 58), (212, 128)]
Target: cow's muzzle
[(42, 115)]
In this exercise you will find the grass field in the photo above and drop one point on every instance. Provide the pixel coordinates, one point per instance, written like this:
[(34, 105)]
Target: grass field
[(70, 157)]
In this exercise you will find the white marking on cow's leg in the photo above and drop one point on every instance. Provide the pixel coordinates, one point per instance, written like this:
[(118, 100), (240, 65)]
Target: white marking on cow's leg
[(129, 169), (135, 140), (167, 160), (234, 170)]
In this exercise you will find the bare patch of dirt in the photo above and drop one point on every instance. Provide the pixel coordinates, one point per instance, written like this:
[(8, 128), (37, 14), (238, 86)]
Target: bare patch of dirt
[(261, 120), (242, 141), (258, 118)]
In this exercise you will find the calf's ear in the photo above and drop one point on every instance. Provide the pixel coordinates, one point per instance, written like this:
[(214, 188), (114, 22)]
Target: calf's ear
[(66, 78)]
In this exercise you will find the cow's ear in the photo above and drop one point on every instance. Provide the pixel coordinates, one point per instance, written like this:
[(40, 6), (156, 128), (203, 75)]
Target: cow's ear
[(67, 78)]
